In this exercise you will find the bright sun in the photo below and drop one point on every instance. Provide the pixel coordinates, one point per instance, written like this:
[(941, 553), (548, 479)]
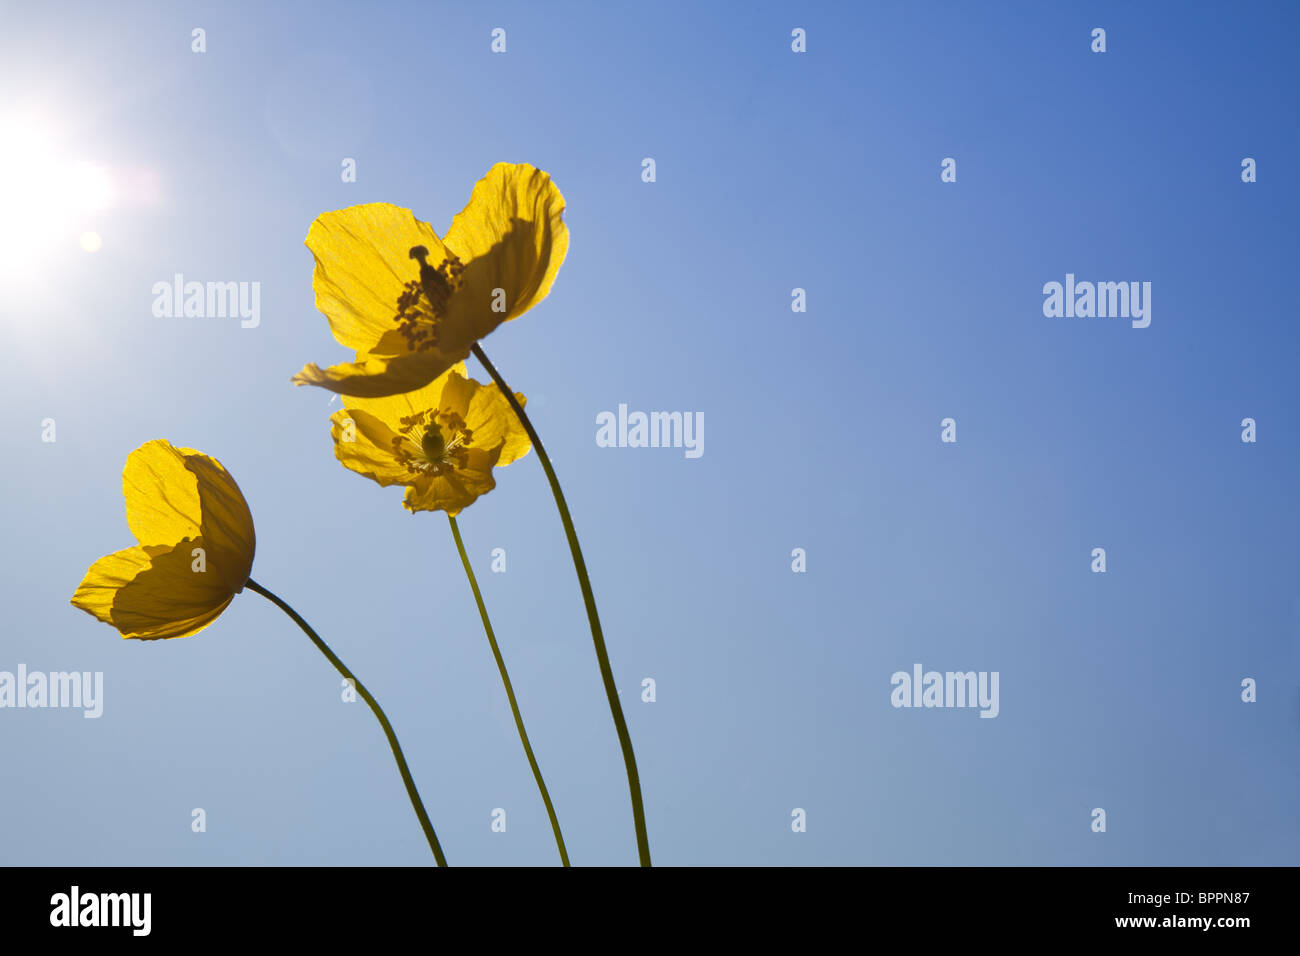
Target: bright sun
[(47, 196)]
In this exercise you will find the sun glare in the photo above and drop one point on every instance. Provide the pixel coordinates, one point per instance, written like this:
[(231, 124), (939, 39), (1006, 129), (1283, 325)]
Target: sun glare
[(48, 196)]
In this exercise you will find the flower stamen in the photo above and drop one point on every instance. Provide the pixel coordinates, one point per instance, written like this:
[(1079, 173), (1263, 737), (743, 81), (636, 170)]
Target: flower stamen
[(432, 442), (423, 302)]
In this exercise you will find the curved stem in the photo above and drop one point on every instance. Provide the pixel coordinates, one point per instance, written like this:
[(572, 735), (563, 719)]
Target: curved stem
[(597, 637), (374, 706), (510, 691)]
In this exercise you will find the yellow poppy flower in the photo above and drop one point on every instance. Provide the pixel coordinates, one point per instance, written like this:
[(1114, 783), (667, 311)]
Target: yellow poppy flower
[(412, 305), (441, 442), (195, 548)]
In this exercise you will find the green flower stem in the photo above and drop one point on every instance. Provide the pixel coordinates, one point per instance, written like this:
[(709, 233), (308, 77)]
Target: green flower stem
[(598, 638), (510, 691), (374, 706)]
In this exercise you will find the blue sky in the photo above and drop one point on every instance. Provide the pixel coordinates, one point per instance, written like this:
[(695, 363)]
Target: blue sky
[(775, 171)]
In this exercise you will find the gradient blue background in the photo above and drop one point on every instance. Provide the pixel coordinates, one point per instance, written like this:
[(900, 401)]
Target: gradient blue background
[(775, 171)]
